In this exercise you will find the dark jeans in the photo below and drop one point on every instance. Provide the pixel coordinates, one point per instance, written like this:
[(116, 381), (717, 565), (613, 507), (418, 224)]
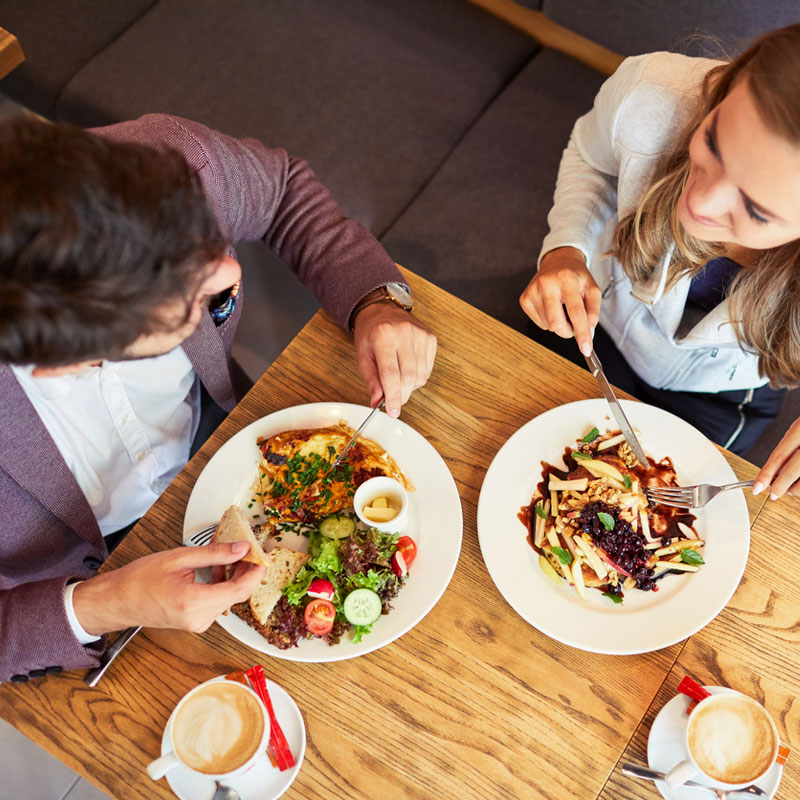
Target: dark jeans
[(717, 415), (211, 416)]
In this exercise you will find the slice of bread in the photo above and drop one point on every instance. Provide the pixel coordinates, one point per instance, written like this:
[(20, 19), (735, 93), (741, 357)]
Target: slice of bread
[(283, 566), (234, 527)]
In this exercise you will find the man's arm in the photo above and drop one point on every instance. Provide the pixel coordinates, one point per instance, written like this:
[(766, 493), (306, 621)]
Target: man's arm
[(36, 636), (260, 193)]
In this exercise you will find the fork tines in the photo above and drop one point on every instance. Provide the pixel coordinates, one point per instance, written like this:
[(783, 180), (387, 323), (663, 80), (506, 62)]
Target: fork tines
[(671, 496), (201, 537)]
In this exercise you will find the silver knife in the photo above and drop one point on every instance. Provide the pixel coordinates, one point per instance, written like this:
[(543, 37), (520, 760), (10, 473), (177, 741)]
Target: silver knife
[(93, 675), (635, 771), (358, 433), (596, 368)]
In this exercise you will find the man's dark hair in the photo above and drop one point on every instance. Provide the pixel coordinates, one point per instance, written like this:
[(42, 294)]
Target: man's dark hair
[(96, 238)]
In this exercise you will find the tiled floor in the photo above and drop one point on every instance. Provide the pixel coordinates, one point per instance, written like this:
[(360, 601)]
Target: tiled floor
[(30, 772)]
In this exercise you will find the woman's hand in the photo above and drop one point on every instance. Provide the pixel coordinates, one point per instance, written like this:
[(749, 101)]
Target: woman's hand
[(782, 470), (563, 281), (159, 591), (395, 353)]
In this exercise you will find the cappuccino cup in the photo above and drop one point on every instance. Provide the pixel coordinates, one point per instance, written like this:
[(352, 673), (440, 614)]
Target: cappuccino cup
[(731, 739), (218, 730)]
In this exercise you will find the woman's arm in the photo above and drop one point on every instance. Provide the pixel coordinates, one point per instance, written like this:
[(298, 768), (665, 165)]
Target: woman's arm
[(585, 200), (781, 473)]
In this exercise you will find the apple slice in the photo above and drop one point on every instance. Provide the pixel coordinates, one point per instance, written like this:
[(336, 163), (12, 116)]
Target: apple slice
[(577, 577)]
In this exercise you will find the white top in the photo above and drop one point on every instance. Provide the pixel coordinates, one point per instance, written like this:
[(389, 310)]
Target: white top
[(124, 430), (605, 170)]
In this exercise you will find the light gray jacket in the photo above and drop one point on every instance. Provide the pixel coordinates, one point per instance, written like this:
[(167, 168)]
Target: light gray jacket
[(604, 172)]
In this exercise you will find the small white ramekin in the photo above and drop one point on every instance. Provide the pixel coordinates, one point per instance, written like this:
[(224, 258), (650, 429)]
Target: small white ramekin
[(393, 491)]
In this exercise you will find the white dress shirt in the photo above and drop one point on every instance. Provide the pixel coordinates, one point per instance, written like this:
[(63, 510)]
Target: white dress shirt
[(124, 429)]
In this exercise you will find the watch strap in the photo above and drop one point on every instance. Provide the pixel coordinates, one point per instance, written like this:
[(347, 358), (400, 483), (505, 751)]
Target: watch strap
[(379, 295)]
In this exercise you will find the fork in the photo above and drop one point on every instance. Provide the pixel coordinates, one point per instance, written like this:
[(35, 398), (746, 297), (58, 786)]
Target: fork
[(93, 676), (689, 496)]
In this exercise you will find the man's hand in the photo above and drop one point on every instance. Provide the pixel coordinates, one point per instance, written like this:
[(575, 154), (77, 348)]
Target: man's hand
[(158, 591), (563, 281), (395, 353), (782, 470)]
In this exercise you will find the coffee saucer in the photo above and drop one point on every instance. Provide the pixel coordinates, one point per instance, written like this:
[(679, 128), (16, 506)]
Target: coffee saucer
[(262, 781), (666, 748)]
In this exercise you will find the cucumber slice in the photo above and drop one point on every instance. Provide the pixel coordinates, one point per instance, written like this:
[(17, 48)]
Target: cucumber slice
[(337, 526), (362, 607)]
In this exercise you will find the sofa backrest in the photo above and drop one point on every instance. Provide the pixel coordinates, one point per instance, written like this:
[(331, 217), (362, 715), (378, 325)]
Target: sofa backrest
[(58, 39), (630, 27)]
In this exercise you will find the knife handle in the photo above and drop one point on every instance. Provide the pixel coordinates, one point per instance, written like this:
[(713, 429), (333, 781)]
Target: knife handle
[(93, 675)]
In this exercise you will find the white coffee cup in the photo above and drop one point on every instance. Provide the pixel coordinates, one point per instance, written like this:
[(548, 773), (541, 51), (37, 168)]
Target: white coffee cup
[(731, 740), (218, 730)]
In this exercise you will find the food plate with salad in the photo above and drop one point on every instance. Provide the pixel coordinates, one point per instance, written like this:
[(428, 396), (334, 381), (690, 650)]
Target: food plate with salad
[(346, 587), (604, 572)]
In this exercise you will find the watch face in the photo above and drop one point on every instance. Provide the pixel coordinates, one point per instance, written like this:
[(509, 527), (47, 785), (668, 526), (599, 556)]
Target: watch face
[(400, 294)]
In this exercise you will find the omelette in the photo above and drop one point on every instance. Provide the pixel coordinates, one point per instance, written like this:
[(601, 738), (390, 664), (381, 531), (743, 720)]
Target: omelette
[(296, 482)]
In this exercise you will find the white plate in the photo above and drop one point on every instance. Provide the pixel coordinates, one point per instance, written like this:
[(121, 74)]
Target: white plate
[(434, 518), (262, 781), (666, 748), (646, 620)]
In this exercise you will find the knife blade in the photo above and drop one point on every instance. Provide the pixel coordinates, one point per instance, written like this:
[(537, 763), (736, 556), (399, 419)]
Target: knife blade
[(356, 435), (596, 368)]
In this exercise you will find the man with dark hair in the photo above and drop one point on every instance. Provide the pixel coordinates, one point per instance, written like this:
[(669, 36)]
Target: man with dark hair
[(120, 298)]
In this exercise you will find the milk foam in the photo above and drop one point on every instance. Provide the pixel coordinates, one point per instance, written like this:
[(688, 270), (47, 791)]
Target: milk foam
[(217, 729), (732, 740)]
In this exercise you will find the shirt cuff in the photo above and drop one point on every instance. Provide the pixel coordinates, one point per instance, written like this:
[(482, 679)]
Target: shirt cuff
[(80, 634)]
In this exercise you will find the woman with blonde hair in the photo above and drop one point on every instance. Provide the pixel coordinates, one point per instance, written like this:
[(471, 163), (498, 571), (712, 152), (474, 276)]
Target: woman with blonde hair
[(676, 228)]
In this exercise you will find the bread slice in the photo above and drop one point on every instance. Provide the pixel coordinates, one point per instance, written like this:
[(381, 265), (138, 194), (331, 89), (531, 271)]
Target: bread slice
[(283, 566), (234, 527)]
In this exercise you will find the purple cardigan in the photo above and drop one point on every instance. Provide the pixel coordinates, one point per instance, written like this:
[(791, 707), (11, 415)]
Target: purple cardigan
[(48, 534)]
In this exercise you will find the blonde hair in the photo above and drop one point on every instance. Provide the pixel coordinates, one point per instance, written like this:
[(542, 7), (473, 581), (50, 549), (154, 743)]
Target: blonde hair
[(764, 298)]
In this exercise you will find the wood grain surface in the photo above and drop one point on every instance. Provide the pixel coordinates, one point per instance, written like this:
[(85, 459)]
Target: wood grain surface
[(752, 646), (10, 53), (473, 702)]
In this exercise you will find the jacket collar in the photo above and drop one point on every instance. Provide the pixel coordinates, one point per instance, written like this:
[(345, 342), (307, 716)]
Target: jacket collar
[(29, 455), (206, 351), (667, 309)]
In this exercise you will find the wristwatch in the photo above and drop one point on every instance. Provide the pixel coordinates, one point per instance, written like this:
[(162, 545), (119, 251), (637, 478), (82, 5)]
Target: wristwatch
[(389, 293)]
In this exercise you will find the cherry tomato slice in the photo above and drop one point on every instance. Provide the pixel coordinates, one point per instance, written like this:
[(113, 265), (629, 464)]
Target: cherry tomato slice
[(319, 616), (405, 544)]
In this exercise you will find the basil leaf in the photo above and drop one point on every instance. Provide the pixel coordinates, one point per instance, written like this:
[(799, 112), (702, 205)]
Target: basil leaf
[(626, 479), (564, 556), (689, 556), (591, 436), (606, 519), (540, 511), (578, 456), (615, 598)]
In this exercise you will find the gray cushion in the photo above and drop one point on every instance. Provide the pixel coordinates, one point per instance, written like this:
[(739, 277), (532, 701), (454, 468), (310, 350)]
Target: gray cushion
[(373, 94), (58, 38), (477, 227), (642, 26)]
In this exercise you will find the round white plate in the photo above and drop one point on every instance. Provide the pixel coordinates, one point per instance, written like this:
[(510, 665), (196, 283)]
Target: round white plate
[(666, 748), (262, 781), (646, 620), (434, 518)]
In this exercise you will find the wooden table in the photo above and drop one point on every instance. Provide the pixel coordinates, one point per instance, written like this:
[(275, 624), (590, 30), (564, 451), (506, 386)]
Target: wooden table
[(10, 53), (473, 702)]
